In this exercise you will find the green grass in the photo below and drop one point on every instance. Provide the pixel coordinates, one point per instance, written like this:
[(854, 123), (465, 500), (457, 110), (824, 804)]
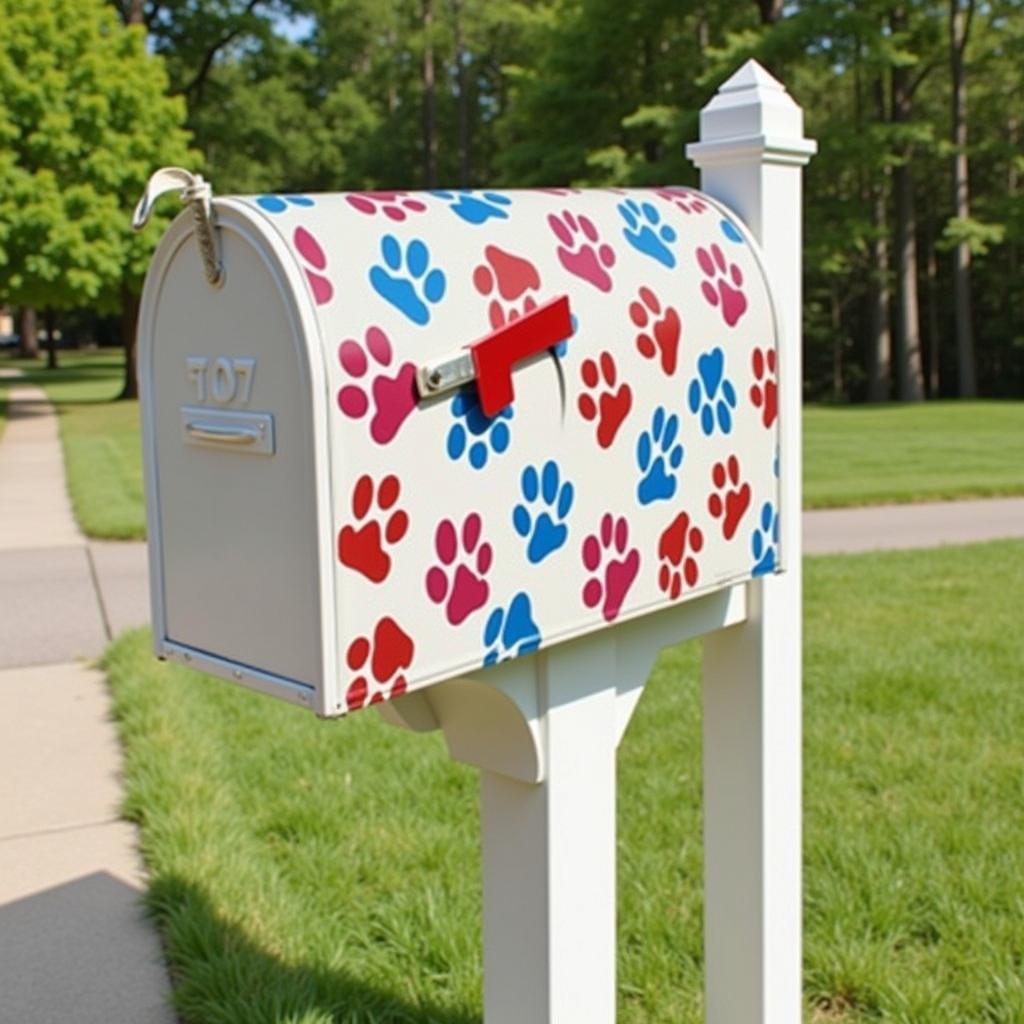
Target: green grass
[(102, 447), (854, 455), (865, 455), (306, 871)]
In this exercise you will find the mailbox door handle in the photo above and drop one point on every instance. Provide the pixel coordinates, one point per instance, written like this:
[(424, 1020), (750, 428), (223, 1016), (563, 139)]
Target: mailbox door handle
[(222, 435), (249, 432)]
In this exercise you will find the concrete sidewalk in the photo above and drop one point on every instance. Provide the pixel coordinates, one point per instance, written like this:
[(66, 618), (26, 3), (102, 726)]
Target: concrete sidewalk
[(74, 943)]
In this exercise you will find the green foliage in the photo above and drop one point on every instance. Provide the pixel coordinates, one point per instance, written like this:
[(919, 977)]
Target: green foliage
[(84, 120), (329, 872)]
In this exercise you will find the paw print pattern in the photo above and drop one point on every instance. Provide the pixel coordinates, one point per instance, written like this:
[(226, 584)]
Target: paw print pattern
[(393, 395), (364, 545), (659, 330), (764, 392), (314, 262), (712, 394), (613, 565), (394, 205), (378, 664), (646, 233), (677, 548), (510, 282), (611, 405), (724, 285), (731, 232), (764, 541), (683, 199), (659, 455), (474, 434), (510, 632), (278, 204), (730, 499), (545, 530), (476, 207), (459, 581), (405, 281), (581, 251)]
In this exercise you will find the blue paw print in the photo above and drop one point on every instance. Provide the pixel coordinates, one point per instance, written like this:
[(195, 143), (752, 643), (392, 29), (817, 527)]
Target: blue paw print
[(412, 290), (730, 230), (512, 632), (645, 232), (547, 532), (278, 204), (712, 393), (476, 208), (764, 540), (474, 434), (656, 452)]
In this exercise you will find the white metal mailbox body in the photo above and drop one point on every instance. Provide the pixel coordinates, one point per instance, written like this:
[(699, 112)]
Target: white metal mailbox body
[(319, 533)]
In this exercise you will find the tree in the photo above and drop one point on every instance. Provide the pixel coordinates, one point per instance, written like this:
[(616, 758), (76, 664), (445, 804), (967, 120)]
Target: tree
[(84, 120)]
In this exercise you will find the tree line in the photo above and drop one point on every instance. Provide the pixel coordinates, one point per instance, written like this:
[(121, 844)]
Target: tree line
[(914, 216)]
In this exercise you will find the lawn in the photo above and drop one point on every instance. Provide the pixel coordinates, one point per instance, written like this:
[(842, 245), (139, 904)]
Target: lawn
[(102, 451), (306, 872), (854, 455)]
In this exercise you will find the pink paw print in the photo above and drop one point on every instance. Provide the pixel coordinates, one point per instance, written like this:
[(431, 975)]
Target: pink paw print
[(510, 282), (459, 582), (614, 568), (394, 397), (394, 205), (581, 252), (683, 199), (313, 257), (724, 284)]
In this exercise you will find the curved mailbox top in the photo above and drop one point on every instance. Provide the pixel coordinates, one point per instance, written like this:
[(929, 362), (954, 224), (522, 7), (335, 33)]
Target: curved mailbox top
[(636, 465)]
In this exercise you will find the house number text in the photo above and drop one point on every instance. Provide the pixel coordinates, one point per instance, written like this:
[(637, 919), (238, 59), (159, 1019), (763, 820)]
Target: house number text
[(223, 380)]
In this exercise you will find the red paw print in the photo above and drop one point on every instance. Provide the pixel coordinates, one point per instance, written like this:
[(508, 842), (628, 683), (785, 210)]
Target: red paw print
[(380, 663), (582, 253), (676, 564), (362, 546), (394, 205), (461, 588), (660, 331), (764, 392), (731, 499), (614, 567), (313, 257), (683, 199), (723, 287), (394, 397), (611, 406), (513, 278)]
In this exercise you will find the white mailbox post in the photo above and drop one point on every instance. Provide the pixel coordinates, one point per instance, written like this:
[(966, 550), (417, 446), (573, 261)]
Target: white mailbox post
[(476, 458)]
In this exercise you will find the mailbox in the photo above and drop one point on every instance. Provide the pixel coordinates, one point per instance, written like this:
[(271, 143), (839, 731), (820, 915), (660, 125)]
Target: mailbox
[(404, 435)]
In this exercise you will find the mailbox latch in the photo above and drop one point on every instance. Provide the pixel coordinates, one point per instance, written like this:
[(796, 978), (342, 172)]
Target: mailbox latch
[(490, 360)]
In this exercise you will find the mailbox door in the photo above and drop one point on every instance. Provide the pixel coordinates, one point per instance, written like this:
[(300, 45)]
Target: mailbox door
[(229, 404)]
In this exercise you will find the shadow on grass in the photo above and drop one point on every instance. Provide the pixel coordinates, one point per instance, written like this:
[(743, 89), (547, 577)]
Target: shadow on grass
[(220, 973)]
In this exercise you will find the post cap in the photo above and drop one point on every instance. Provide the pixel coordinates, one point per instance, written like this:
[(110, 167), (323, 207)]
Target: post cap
[(751, 111)]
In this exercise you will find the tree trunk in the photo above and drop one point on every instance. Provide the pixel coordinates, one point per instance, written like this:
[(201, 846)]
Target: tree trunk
[(135, 13), (837, 343), (910, 372), (770, 11), (959, 28), (29, 333), (50, 320), (462, 57), (429, 98), (934, 330), (880, 342), (129, 332)]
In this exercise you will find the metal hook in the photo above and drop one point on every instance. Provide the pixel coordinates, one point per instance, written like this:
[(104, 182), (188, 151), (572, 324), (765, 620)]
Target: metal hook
[(196, 191)]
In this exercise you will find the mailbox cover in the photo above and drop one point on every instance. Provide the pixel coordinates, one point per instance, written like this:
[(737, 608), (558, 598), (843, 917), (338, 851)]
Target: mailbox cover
[(321, 533)]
